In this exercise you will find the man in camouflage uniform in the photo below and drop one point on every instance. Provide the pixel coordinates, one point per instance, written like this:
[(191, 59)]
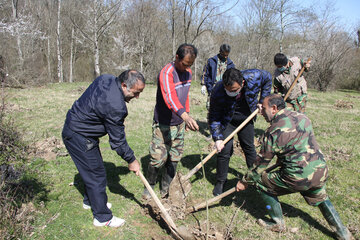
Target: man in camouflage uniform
[(171, 117), (286, 72), (303, 169)]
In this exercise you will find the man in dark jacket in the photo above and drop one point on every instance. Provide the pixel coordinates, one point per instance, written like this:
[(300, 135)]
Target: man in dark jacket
[(99, 111), (214, 70), (232, 100)]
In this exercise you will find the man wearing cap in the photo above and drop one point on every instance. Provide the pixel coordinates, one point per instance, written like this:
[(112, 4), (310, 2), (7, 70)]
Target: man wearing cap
[(285, 73)]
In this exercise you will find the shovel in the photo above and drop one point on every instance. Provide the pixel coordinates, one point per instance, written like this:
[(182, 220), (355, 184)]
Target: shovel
[(224, 194), (179, 233)]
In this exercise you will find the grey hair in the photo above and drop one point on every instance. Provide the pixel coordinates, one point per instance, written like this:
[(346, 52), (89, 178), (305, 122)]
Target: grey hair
[(130, 78)]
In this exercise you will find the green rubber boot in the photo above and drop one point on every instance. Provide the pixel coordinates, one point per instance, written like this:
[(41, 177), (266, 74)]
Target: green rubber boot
[(333, 218), (273, 208)]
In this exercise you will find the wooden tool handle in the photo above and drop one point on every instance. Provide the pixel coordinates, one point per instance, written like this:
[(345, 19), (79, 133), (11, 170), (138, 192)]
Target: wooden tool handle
[(199, 165), (157, 201), (296, 79), (210, 201)]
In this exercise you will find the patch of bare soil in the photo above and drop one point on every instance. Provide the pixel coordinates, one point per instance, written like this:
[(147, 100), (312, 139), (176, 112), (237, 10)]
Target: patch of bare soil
[(195, 101), (175, 206), (48, 149), (338, 155), (10, 108), (344, 104)]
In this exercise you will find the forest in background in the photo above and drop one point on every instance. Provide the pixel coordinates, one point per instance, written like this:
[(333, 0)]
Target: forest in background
[(50, 41)]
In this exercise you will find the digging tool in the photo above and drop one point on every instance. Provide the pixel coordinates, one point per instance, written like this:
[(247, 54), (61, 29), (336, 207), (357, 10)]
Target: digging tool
[(217, 198), (183, 183), (210, 201), (296, 79), (179, 233), (198, 167)]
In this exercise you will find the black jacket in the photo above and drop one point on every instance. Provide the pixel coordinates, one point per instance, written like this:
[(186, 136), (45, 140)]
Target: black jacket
[(102, 110)]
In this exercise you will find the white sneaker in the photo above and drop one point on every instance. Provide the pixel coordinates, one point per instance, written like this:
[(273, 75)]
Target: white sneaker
[(114, 222), (85, 206)]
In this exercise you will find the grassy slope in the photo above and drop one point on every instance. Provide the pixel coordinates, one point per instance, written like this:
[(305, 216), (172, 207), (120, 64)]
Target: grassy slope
[(41, 112)]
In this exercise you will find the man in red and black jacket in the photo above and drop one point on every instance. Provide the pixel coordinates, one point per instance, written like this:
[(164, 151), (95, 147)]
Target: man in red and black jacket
[(171, 117)]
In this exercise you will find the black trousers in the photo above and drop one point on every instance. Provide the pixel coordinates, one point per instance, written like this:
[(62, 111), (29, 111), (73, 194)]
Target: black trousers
[(246, 138), (87, 157)]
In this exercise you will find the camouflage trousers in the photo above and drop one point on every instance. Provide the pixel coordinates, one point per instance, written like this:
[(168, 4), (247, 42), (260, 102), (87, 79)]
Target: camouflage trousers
[(297, 104), (311, 188), (167, 143)]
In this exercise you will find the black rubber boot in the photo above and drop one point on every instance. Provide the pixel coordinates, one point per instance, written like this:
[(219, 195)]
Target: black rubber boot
[(167, 177), (151, 177), (333, 218), (273, 208), (219, 188)]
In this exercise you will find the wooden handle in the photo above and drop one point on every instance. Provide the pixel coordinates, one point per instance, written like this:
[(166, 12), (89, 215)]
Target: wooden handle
[(198, 167), (210, 201), (158, 203), (296, 79)]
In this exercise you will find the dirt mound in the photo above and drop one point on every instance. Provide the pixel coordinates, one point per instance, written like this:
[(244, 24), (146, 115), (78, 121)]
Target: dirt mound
[(195, 101), (48, 149), (344, 104)]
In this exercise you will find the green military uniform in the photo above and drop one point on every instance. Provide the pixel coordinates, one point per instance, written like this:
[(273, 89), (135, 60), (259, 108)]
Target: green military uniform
[(167, 142), (302, 166), (283, 80), (302, 169)]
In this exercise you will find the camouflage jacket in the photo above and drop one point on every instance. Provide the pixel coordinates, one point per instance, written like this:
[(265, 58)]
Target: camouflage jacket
[(291, 138), (283, 80)]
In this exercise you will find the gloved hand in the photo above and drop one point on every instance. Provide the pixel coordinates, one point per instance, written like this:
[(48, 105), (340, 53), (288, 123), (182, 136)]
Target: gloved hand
[(203, 90)]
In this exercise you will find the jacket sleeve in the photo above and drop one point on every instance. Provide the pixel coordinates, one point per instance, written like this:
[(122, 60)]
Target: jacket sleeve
[(278, 88), (168, 91), (266, 86), (263, 159), (116, 131), (208, 81), (231, 65), (215, 117)]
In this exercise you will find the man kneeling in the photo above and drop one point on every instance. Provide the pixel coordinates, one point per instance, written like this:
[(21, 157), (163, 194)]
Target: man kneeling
[(303, 169)]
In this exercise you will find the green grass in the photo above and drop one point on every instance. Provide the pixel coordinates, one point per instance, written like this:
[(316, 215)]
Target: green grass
[(40, 112)]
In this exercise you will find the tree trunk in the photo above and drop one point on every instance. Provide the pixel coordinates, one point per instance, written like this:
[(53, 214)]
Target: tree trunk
[(60, 67), (282, 27), (71, 55), (173, 5), (14, 6), (48, 58), (96, 50)]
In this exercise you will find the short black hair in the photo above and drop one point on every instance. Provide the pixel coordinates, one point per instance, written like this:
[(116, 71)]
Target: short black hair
[(185, 49), (280, 59), (130, 77), (225, 48), (231, 76), (276, 99)]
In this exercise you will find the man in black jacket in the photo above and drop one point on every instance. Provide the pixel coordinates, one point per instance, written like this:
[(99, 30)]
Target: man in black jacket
[(99, 111)]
